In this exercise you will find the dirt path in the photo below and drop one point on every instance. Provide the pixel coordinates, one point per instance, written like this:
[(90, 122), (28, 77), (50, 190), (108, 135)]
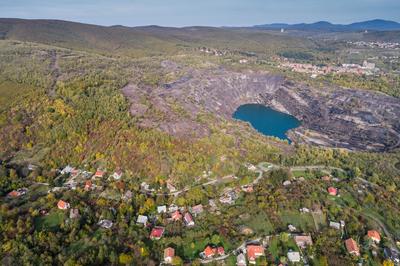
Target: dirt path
[(55, 72)]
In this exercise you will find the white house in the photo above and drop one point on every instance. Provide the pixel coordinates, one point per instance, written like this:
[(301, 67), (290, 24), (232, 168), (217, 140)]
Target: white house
[(162, 209), (142, 220), (293, 256)]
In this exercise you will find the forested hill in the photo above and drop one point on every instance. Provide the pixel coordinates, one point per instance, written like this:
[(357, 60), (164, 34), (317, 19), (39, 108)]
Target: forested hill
[(137, 41)]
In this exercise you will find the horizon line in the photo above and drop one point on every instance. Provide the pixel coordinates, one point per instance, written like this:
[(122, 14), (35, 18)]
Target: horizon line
[(189, 26)]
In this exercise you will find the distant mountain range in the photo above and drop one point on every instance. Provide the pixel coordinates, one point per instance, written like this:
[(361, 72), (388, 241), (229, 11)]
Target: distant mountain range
[(376, 25)]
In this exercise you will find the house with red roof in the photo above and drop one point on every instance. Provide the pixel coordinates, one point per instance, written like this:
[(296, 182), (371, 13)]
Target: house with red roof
[(254, 252), (169, 254), (221, 251), (157, 232), (88, 185), (62, 205), (352, 247), (99, 174), (332, 191), (188, 219), (209, 252), (176, 216), (13, 194), (374, 236)]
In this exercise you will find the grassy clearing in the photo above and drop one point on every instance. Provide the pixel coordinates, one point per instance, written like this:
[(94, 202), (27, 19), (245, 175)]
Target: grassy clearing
[(50, 222), (302, 221), (260, 224)]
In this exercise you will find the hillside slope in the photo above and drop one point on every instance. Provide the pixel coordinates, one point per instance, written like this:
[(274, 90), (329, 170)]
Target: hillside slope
[(147, 41)]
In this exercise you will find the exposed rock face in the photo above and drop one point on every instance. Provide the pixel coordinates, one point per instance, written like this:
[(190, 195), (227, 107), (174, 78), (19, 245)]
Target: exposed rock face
[(333, 117)]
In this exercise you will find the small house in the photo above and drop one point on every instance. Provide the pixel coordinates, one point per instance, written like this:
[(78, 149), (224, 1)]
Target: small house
[(74, 214), (287, 183), (169, 254), (241, 260), (142, 219), (117, 174), (162, 209), (157, 232), (303, 241), (292, 228), (176, 216), (99, 174), (332, 191), (107, 224), (254, 252), (374, 236), (88, 185), (293, 256), (13, 194), (188, 219), (352, 247), (335, 225), (220, 251), (62, 205), (196, 210), (209, 252)]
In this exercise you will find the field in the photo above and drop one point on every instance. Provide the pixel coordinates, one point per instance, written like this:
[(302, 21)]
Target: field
[(50, 222)]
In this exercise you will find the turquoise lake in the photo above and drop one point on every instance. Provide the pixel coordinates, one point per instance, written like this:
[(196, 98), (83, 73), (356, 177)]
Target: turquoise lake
[(266, 120)]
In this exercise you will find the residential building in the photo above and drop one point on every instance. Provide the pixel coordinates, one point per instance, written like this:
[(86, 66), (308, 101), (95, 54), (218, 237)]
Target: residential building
[(241, 260), (142, 220), (99, 174), (253, 252), (88, 185), (188, 219), (157, 232), (62, 205), (74, 214), (169, 254), (292, 228), (221, 251), (332, 191), (303, 241), (293, 256), (117, 174), (196, 210), (162, 209), (374, 236), (176, 216), (352, 247), (107, 224), (209, 252), (13, 194), (334, 225)]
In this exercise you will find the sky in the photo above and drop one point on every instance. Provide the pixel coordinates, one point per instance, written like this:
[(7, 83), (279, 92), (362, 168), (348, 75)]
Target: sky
[(201, 12)]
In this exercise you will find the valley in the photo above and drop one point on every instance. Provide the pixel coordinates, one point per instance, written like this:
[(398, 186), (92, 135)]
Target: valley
[(118, 146)]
